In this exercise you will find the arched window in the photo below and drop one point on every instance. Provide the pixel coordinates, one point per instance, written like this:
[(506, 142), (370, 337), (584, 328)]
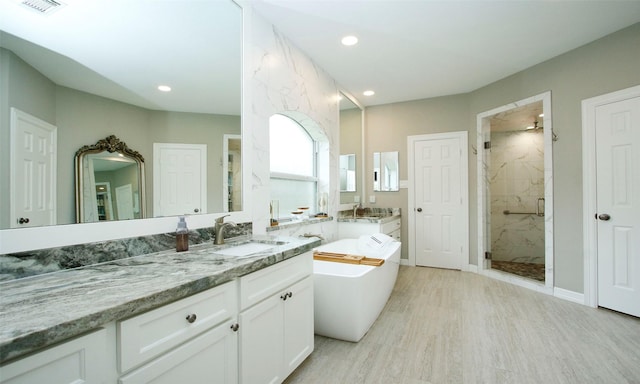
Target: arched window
[(293, 166)]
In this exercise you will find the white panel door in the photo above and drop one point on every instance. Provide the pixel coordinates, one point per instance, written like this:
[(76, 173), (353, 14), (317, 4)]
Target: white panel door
[(33, 167), (179, 179), (124, 202), (439, 213), (618, 205)]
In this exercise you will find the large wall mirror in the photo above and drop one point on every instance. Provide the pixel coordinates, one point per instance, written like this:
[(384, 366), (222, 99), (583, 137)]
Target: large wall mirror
[(350, 149), (146, 72)]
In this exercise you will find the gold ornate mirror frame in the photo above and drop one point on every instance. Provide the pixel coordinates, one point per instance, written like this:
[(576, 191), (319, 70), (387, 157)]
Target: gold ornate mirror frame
[(109, 156)]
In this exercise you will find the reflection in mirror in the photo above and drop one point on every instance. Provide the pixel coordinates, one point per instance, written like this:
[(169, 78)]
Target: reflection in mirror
[(350, 145), (104, 81), (109, 182), (348, 173), (385, 171)]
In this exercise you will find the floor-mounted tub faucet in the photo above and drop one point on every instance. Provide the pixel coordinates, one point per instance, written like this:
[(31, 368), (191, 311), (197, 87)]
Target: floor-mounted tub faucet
[(220, 227)]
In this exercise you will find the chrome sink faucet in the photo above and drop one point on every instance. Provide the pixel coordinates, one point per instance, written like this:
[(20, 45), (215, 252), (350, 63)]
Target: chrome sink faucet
[(219, 229), (355, 210)]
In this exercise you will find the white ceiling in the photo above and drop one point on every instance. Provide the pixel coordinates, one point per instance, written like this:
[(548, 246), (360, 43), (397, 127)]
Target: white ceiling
[(412, 49), (408, 49)]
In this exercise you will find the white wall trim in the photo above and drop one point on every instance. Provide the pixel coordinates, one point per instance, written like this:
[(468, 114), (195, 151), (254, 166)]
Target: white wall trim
[(470, 268), (589, 200), (483, 132), (565, 294)]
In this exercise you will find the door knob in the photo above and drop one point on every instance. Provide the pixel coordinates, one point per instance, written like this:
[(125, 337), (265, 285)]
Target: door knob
[(419, 209), (604, 217)]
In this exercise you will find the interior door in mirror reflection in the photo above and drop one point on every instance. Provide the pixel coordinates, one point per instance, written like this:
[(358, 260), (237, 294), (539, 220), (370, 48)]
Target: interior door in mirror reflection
[(33, 164), (385, 171), (179, 179)]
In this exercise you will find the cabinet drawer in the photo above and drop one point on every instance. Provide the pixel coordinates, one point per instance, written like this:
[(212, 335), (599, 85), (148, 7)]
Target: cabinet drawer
[(150, 334), (266, 282), (395, 234), (391, 226), (208, 358)]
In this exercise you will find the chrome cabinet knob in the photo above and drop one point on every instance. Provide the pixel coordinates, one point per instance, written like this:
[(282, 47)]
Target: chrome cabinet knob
[(235, 327), (196, 210), (419, 209), (191, 318), (604, 217), (23, 220)]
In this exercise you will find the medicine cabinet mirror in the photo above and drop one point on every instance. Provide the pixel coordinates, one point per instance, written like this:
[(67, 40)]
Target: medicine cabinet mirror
[(60, 76), (385, 172)]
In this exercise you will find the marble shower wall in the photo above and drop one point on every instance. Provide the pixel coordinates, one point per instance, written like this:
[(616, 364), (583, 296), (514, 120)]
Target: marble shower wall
[(516, 183)]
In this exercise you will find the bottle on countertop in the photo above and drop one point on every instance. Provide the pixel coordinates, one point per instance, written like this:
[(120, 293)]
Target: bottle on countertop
[(182, 236)]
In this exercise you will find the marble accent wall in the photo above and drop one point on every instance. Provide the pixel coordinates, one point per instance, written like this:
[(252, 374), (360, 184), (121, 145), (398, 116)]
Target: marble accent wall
[(516, 176), (284, 79)]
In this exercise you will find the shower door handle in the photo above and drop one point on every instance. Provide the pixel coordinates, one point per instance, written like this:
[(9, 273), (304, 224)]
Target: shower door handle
[(604, 217)]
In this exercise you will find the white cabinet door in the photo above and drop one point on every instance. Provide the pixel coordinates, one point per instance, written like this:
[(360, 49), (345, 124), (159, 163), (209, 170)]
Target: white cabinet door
[(298, 324), (209, 358), (261, 347), (82, 360)]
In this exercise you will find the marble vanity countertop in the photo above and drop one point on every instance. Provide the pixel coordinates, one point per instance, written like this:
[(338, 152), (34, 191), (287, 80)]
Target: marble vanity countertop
[(368, 219), (42, 310), (369, 215)]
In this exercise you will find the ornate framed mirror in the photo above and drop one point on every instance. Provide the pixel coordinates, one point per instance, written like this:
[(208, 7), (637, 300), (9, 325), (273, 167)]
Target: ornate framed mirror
[(109, 182)]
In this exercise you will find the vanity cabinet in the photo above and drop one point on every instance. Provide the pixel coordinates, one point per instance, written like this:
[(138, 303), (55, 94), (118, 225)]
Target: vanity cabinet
[(81, 360), (276, 320), (355, 229), (191, 340)]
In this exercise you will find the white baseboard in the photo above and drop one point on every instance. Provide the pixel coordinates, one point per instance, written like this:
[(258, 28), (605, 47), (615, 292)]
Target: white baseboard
[(470, 268), (565, 294)]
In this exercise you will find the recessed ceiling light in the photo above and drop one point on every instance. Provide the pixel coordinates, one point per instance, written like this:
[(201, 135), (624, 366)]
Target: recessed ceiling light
[(368, 93), (164, 88), (349, 40)]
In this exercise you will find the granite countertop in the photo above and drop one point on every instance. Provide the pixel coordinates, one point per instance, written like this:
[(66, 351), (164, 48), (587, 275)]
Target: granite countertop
[(43, 310), (369, 219)]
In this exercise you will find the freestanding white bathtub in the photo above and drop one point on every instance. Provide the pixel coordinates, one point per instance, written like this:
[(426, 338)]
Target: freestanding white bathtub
[(349, 297)]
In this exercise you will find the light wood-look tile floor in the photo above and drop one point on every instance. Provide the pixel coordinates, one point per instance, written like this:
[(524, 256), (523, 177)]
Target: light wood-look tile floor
[(442, 326)]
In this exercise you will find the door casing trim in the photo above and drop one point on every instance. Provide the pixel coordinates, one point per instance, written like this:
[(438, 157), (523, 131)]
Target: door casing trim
[(484, 131), (589, 198)]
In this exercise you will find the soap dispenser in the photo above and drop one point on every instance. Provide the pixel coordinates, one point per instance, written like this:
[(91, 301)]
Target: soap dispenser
[(182, 236)]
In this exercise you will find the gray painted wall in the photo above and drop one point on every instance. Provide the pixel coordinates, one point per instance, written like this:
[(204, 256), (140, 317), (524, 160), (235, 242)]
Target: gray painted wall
[(603, 66)]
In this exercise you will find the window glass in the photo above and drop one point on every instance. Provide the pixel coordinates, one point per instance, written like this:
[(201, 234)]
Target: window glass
[(291, 147), (293, 166)]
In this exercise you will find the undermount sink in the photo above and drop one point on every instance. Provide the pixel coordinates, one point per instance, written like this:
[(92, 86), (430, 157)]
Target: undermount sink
[(246, 249)]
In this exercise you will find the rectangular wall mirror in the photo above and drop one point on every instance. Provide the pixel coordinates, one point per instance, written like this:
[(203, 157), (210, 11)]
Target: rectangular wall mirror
[(348, 173), (350, 149), (385, 172), (153, 79)]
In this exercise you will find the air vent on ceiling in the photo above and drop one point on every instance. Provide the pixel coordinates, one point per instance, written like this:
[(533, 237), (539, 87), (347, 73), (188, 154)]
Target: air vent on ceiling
[(42, 6)]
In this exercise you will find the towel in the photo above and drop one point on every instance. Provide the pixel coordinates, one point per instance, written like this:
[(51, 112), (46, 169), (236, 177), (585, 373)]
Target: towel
[(374, 245)]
